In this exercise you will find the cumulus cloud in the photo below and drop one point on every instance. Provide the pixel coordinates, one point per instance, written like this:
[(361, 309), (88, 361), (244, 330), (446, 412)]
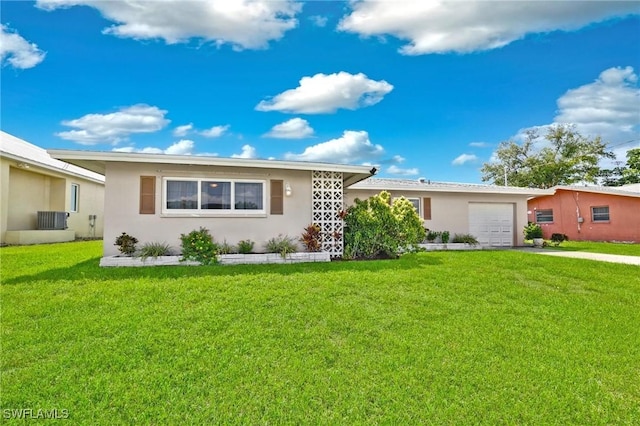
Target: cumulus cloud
[(215, 131), (395, 170), (115, 127), (17, 52), (244, 24), (182, 147), (464, 158), (451, 26), (326, 93), (248, 151), (479, 144), (296, 128), (318, 21), (351, 147), (182, 130)]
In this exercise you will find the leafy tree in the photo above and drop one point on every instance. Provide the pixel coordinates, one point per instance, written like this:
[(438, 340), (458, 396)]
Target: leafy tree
[(376, 228), (566, 158), (623, 175)]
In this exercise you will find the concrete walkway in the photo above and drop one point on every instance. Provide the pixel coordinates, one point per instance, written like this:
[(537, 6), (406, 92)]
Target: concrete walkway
[(615, 258)]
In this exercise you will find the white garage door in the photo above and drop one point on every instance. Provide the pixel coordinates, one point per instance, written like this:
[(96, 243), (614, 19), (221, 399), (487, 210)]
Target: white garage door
[(491, 223)]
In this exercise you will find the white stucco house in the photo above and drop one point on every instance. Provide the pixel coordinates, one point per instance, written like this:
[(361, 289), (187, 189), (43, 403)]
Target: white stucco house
[(44, 200), (157, 197)]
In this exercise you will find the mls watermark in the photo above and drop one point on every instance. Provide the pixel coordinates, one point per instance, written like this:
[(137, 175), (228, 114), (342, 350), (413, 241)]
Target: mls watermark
[(34, 413)]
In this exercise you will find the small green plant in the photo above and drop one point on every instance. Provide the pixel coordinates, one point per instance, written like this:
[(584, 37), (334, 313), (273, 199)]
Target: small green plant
[(431, 235), (531, 231), (312, 238), (245, 246), (126, 244), (199, 246), (444, 235), (557, 238), (154, 250), (282, 244), (225, 248), (465, 238)]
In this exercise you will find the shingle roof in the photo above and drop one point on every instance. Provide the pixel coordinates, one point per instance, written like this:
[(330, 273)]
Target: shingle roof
[(625, 191), (25, 152)]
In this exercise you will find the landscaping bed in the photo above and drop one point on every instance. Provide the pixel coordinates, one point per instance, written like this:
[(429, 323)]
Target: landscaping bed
[(223, 259)]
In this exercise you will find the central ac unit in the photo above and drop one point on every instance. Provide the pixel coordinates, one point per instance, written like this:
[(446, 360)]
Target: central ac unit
[(52, 220)]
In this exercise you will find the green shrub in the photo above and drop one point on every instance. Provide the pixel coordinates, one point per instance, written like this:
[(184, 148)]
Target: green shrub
[(199, 246), (444, 235), (465, 238), (126, 244), (245, 246), (154, 250), (432, 235), (282, 244), (557, 238), (375, 228), (312, 238), (531, 231)]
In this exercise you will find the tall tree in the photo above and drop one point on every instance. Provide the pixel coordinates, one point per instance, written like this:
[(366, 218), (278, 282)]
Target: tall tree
[(563, 158), (622, 175)]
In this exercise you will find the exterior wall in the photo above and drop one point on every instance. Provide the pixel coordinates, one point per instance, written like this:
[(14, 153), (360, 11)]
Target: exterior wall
[(450, 210), (122, 200), (24, 192), (567, 206)]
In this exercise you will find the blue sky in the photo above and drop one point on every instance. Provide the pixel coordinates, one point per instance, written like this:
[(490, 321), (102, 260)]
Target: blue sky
[(419, 89)]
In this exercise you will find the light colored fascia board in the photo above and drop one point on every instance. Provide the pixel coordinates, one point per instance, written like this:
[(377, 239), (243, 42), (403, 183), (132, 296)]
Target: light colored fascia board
[(51, 168)]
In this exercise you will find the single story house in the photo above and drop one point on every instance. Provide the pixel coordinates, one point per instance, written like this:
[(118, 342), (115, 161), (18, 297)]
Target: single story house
[(495, 215), (157, 197), (44, 200), (587, 213)]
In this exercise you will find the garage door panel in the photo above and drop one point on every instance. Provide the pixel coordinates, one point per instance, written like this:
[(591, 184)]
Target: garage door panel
[(492, 223)]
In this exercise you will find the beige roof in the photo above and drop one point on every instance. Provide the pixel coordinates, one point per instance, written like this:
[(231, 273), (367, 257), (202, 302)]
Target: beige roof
[(424, 185), (96, 161), (26, 153), (624, 191)]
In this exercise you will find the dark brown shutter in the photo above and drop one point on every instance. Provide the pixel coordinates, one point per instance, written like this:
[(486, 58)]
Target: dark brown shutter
[(277, 197), (147, 195), (426, 208)]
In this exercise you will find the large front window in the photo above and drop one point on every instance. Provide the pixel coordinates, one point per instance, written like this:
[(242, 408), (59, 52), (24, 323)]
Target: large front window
[(208, 196)]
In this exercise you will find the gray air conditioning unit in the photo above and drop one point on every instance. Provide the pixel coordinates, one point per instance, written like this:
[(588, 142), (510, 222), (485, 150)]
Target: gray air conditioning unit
[(52, 220)]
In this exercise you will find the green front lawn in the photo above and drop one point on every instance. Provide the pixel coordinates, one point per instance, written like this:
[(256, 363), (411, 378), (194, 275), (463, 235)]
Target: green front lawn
[(484, 337), (601, 247)]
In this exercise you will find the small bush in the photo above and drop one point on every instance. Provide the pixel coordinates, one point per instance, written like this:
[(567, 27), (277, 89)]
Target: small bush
[(531, 231), (126, 244), (465, 238), (225, 248), (245, 246), (445, 237), (282, 244), (312, 238), (199, 246), (154, 250), (557, 238), (432, 235)]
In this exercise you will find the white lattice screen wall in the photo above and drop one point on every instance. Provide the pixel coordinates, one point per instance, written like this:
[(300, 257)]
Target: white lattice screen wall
[(327, 198)]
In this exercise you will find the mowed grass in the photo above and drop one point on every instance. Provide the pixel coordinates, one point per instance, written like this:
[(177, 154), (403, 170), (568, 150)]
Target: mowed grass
[(436, 338), (601, 247)]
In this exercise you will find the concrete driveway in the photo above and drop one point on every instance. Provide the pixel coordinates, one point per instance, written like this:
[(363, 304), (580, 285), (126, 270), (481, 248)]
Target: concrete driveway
[(615, 258)]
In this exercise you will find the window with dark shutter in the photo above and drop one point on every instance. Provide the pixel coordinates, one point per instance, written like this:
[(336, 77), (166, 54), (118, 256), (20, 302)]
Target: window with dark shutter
[(147, 195), (277, 197), (426, 208)]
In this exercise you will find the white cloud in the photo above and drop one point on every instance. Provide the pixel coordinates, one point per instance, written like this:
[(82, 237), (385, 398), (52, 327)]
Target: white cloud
[(296, 128), (183, 130), (244, 24), (479, 144), (247, 152), (326, 93), (18, 52), (182, 147), (395, 170), (351, 147), (464, 158), (453, 26), (319, 21), (116, 126), (215, 131)]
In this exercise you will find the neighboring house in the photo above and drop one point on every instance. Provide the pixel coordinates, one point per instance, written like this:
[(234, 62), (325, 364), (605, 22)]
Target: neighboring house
[(70, 199), (495, 215), (157, 197), (586, 213)]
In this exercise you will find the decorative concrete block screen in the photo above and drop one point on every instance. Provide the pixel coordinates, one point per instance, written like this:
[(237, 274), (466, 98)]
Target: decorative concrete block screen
[(327, 197)]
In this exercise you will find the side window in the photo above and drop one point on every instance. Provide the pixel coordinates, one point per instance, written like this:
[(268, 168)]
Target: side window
[(600, 214), (544, 216), (75, 198)]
